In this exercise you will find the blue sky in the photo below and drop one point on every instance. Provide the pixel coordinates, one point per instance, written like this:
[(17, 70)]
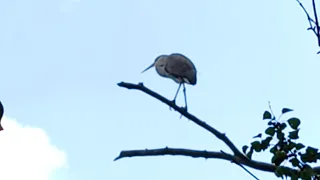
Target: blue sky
[(61, 62)]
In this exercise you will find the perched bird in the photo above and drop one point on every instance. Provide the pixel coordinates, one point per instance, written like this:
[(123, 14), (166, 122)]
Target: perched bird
[(178, 68), (1, 114)]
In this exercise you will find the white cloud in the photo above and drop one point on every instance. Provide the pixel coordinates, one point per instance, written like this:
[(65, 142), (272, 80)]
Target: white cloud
[(26, 153), (68, 5)]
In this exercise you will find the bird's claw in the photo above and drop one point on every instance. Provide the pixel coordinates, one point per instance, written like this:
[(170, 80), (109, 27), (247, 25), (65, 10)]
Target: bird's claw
[(185, 109), (173, 102)]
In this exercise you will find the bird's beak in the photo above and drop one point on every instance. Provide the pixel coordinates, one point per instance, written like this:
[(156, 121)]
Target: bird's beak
[(148, 68)]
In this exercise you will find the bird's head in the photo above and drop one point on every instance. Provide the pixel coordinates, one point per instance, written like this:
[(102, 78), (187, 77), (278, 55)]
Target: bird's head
[(159, 63)]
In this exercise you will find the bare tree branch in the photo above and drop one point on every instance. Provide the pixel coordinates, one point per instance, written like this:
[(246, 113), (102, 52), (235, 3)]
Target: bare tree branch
[(194, 119), (262, 166), (310, 20), (184, 152), (175, 151), (314, 24), (317, 22)]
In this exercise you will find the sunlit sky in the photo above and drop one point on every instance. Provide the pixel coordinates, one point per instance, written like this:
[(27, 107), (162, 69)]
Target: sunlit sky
[(61, 61)]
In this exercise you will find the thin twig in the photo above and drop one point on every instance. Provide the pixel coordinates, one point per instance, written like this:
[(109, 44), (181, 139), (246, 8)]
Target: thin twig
[(270, 108), (317, 22), (239, 164), (310, 20)]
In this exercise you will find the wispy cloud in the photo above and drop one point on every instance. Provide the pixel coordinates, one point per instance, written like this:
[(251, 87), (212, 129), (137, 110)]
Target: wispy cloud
[(68, 5), (27, 153)]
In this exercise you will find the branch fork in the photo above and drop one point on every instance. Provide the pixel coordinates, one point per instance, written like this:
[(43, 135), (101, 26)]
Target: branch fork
[(237, 157)]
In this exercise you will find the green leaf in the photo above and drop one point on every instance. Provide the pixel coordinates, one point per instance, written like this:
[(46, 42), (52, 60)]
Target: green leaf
[(294, 176), (299, 146), (294, 162), (278, 158), (273, 150), (266, 115), (285, 110), (265, 143), (244, 148), (285, 148), (294, 134), (311, 150), (258, 136), (306, 158), (294, 123), (249, 154), (311, 155), (256, 145), (271, 123), (280, 135), (306, 173), (270, 131), (282, 172), (291, 145), (283, 126)]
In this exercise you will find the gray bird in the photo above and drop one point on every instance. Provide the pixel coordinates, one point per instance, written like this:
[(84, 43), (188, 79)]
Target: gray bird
[(1, 114), (177, 67)]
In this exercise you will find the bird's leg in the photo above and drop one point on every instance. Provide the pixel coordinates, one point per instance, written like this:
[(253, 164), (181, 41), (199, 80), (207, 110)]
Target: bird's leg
[(185, 99), (174, 99)]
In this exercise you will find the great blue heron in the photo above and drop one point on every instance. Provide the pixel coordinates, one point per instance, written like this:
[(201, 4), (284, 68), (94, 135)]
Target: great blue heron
[(177, 67), (1, 114)]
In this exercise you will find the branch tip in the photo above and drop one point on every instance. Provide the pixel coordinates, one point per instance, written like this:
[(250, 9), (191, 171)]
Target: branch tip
[(120, 84)]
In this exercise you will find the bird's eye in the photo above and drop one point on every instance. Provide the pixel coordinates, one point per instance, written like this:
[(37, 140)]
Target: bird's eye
[(161, 65)]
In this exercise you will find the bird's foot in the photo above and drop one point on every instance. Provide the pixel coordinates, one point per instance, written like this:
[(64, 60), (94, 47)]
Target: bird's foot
[(185, 109), (173, 102), (180, 116)]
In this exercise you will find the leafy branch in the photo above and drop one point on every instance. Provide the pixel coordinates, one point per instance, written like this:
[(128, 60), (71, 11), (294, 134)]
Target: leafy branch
[(285, 149)]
